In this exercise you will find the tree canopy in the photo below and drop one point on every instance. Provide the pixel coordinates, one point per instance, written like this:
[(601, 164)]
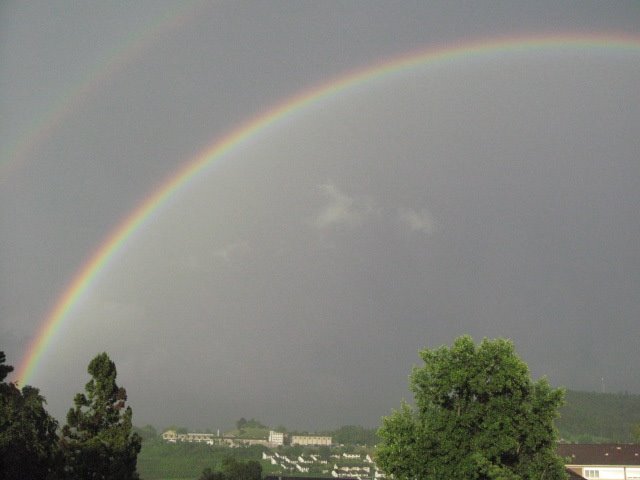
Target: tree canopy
[(354, 435), (233, 469), (28, 440), (97, 440), (252, 423), (477, 415)]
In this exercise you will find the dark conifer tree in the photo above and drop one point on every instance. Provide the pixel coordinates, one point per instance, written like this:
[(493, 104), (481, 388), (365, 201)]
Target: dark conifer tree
[(97, 440)]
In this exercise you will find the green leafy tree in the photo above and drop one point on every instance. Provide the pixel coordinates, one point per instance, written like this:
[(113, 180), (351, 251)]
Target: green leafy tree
[(4, 369), (240, 424), (233, 469), (97, 440), (324, 451), (148, 432), (477, 415), (28, 440), (208, 474), (636, 432), (354, 435)]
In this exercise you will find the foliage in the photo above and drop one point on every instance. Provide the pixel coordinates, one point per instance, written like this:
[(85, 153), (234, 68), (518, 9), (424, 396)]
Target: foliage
[(478, 415), (253, 423), (250, 432), (354, 435), (235, 470), (208, 474), (249, 429), (324, 451), (148, 432), (591, 417), (28, 440), (97, 440), (232, 469), (4, 369)]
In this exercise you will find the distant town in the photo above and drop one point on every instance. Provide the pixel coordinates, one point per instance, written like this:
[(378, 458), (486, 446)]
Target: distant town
[(358, 466), (584, 461)]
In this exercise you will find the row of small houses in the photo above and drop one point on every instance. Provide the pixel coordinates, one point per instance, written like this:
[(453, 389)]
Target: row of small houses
[(583, 462), (302, 465)]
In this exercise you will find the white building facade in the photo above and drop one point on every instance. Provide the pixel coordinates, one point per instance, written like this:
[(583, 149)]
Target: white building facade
[(310, 440), (276, 438)]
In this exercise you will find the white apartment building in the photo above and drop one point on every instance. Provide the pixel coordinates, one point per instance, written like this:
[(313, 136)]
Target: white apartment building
[(310, 440), (276, 438), (173, 437)]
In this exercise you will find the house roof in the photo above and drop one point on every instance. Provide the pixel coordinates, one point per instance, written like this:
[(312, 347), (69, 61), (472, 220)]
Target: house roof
[(600, 454)]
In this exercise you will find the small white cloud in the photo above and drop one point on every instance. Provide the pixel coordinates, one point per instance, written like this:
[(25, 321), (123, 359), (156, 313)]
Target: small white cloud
[(116, 312), (191, 262), (418, 221), (233, 251), (207, 261), (340, 209)]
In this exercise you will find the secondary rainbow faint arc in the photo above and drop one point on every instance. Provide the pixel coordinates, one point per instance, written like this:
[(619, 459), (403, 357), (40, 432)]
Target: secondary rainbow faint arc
[(14, 155), (89, 272)]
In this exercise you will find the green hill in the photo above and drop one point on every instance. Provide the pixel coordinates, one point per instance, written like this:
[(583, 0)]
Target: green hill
[(590, 417), (249, 432)]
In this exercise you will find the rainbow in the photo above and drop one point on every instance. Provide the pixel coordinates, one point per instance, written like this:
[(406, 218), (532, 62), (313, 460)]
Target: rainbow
[(180, 180)]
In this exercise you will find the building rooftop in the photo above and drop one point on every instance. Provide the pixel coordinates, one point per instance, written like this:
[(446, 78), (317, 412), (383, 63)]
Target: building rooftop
[(600, 454)]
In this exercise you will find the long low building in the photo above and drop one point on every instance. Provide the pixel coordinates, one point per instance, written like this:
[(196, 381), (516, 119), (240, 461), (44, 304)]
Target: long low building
[(173, 437), (212, 439), (310, 440)]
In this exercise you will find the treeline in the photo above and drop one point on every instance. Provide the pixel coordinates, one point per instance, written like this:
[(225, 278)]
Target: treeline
[(589, 417), (354, 435), (232, 469), (96, 442)]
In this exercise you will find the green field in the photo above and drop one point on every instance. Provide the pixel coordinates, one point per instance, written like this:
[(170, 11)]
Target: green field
[(160, 460)]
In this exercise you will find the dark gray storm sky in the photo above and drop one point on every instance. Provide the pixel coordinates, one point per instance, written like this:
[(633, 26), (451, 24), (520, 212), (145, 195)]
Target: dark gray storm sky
[(297, 280)]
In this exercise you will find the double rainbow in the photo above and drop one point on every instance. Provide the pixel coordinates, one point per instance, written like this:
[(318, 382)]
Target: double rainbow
[(86, 276)]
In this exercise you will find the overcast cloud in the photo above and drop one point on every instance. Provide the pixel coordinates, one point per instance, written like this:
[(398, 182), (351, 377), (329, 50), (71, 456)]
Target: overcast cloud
[(297, 279)]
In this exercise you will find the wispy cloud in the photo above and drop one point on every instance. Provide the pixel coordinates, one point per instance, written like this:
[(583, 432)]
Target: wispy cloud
[(417, 221), (232, 251), (206, 262), (340, 209)]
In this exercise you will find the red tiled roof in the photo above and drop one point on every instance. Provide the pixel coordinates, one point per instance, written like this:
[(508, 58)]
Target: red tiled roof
[(600, 454)]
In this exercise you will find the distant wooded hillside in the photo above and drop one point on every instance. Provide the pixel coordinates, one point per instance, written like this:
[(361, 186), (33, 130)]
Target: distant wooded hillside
[(590, 417)]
